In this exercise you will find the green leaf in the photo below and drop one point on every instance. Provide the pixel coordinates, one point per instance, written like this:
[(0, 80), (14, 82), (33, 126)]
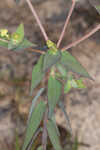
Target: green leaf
[(37, 73), (20, 32), (62, 70), (12, 45), (34, 123), (74, 83), (53, 135), (34, 101), (16, 37), (71, 64), (3, 44), (61, 105), (40, 148), (80, 84), (67, 86), (50, 59), (54, 92), (56, 127), (24, 44)]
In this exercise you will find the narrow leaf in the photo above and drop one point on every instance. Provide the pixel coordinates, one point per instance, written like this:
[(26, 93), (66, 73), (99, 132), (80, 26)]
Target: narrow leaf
[(34, 123), (56, 127), (3, 44), (53, 135), (71, 64), (37, 73), (34, 101), (67, 86), (24, 44), (54, 92), (20, 32), (50, 59), (61, 105)]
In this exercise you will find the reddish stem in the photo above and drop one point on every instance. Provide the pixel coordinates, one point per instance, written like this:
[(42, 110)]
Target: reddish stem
[(66, 23), (81, 39), (37, 19)]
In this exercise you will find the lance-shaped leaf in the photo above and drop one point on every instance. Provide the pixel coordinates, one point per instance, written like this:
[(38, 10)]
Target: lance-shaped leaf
[(37, 73), (34, 123), (54, 92), (67, 86), (53, 135), (71, 64), (24, 44), (16, 37), (50, 59), (34, 101), (61, 105), (56, 127), (20, 32), (3, 44)]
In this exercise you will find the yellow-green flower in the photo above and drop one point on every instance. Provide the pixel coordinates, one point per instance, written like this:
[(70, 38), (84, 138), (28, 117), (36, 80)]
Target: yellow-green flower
[(4, 33), (15, 38)]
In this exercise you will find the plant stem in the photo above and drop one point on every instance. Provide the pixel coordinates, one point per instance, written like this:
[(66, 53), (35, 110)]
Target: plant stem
[(44, 135), (81, 39), (36, 50), (37, 19), (66, 23)]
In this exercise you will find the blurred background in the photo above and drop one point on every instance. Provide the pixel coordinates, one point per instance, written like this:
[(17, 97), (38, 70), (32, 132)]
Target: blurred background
[(83, 106)]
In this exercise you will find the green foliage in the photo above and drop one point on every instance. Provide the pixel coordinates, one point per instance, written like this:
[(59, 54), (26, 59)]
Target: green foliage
[(40, 148), (34, 101), (68, 124), (59, 65), (4, 44), (52, 132), (50, 59), (52, 47), (71, 64), (73, 83), (16, 37), (54, 122), (54, 92), (62, 70), (16, 40), (34, 123), (37, 73), (23, 45)]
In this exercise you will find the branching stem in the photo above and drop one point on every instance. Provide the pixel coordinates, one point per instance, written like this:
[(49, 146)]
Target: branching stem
[(82, 39), (66, 23), (37, 19)]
